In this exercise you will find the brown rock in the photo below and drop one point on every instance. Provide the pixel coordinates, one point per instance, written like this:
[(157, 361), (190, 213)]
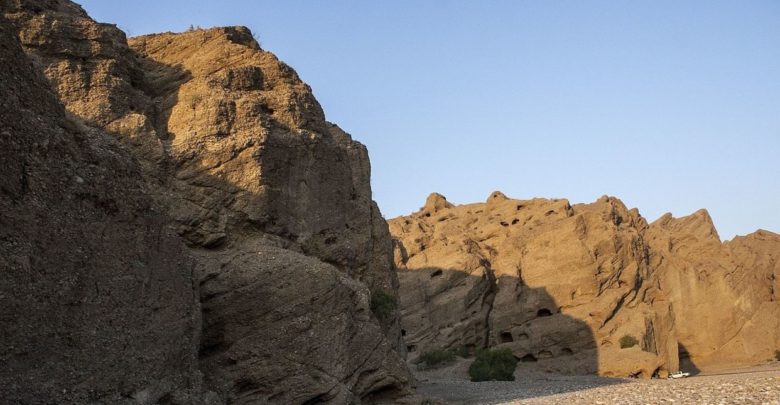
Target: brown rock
[(724, 295), (310, 339), (561, 284), (557, 284), (98, 297), (234, 147)]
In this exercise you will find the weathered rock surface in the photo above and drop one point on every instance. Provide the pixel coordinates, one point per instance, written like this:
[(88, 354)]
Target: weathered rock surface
[(98, 297), (725, 295), (557, 284), (235, 149), (291, 329), (561, 284)]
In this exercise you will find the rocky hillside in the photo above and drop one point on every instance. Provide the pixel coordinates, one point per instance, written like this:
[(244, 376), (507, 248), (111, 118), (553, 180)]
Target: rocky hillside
[(585, 288), (271, 230), (98, 296)]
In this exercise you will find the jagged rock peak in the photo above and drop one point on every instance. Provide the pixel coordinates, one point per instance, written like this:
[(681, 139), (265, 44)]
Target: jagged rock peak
[(436, 202), (496, 196), (699, 224), (237, 34)]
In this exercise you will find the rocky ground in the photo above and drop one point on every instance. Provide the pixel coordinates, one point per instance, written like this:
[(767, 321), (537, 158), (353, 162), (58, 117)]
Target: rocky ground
[(756, 385)]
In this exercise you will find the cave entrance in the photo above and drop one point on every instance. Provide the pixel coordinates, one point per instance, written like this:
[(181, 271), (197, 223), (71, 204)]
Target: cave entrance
[(543, 312)]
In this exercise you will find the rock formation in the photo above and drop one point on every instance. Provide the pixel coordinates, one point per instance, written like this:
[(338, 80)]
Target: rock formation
[(562, 285), (98, 296), (725, 295), (273, 202)]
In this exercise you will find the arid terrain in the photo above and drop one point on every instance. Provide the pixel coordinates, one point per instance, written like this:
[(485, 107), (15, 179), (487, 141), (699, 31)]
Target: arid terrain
[(749, 385), (586, 288), (181, 224)]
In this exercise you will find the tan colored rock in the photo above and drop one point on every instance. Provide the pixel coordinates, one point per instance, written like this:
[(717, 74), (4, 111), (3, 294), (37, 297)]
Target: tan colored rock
[(724, 295), (557, 284), (482, 275), (234, 147), (99, 303)]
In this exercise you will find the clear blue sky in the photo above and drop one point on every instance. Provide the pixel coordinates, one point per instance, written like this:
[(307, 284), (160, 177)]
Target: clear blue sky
[(669, 105)]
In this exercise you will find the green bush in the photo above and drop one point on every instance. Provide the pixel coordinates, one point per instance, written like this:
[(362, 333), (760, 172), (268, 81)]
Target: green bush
[(435, 358), (497, 364), (382, 304), (628, 341)]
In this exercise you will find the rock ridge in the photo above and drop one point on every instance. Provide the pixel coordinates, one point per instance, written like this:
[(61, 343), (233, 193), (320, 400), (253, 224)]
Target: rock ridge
[(573, 280)]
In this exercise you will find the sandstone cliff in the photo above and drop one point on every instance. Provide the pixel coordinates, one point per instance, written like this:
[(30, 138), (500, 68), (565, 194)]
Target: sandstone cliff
[(273, 201), (561, 284), (725, 294), (556, 283)]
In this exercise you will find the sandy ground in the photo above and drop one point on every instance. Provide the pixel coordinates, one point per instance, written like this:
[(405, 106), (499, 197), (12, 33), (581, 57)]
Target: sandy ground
[(754, 385)]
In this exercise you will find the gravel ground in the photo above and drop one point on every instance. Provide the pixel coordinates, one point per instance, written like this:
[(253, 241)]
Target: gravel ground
[(756, 385)]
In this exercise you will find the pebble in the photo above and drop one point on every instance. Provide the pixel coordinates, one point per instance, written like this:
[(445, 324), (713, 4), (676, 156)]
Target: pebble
[(760, 385)]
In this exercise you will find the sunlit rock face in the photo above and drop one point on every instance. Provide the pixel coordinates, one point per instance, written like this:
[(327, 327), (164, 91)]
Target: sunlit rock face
[(569, 287), (234, 154), (725, 294)]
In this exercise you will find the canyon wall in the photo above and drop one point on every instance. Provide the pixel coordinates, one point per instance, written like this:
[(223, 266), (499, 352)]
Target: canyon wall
[(585, 288), (269, 204), (98, 296)]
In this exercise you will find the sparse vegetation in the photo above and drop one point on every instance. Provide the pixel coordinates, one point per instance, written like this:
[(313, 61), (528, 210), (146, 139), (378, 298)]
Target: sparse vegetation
[(382, 304), (493, 365), (435, 358), (628, 341)]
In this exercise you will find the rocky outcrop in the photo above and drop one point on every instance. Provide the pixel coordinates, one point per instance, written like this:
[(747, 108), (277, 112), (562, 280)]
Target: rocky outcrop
[(282, 327), (98, 297), (561, 284), (724, 294), (558, 284), (268, 195)]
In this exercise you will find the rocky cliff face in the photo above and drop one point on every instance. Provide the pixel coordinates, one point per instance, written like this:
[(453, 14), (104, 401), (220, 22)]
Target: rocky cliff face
[(725, 294), (558, 284), (98, 296), (562, 284), (273, 201)]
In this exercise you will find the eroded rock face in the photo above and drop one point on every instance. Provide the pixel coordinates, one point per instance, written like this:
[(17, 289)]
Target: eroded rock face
[(282, 327), (557, 284), (561, 285), (98, 297), (234, 148), (724, 295)]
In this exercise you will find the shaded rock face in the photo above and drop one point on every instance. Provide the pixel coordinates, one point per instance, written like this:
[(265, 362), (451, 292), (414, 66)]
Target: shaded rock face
[(724, 295), (561, 285), (309, 338), (557, 284), (98, 297), (234, 148)]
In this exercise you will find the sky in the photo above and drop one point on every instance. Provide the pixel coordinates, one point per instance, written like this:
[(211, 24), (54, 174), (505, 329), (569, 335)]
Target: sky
[(670, 106)]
